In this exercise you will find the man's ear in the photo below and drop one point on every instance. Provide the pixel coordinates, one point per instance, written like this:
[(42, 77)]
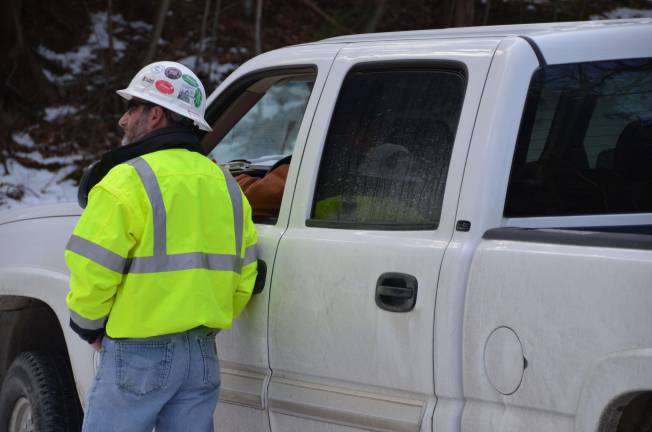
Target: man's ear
[(157, 118)]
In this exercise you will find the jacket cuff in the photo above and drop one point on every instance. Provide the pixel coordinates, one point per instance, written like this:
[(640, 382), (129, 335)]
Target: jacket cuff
[(89, 336)]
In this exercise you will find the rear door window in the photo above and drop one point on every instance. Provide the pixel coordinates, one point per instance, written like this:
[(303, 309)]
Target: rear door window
[(388, 148)]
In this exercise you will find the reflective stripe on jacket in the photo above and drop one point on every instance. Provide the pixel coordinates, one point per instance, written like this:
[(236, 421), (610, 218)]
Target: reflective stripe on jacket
[(165, 244)]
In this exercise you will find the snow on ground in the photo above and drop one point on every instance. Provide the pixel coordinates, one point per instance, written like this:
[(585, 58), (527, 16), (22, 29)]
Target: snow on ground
[(624, 12), (83, 58), (45, 187), (53, 113), (214, 70), (41, 186)]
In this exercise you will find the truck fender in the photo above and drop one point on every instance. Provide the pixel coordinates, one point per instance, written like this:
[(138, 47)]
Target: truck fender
[(612, 377), (51, 288)]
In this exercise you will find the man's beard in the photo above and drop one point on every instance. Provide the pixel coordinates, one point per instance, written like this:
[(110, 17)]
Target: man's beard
[(139, 132)]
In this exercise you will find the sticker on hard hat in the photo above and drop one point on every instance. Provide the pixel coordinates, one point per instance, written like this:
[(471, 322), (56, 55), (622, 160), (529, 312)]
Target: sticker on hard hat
[(190, 80), (198, 98), (164, 87), (186, 94), (172, 73), (148, 80), (157, 69)]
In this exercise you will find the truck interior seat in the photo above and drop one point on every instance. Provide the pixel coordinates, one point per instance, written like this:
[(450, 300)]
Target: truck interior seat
[(632, 163)]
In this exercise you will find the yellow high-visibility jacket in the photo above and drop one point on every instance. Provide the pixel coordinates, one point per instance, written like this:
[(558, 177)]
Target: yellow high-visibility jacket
[(165, 244)]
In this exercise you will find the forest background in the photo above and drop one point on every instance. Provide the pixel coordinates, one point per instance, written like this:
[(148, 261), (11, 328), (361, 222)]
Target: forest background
[(61, 61)]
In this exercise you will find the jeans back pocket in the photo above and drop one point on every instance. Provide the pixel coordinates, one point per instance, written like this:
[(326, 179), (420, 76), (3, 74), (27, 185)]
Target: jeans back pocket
[(143, 367), (210, 361)]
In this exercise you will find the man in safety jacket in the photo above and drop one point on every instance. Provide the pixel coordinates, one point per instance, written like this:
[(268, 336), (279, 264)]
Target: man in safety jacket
[(162, 257)]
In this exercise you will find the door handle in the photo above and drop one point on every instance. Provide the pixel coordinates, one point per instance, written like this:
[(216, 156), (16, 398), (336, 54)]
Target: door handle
[(260, 278), (396, 292)]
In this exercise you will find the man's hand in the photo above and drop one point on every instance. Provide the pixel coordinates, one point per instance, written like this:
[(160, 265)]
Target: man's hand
[(97, 344)]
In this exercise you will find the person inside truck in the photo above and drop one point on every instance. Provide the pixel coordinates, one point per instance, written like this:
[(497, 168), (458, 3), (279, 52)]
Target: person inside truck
[(387, 172), (375, 183), (265, 193), (254, 135), (147, 287)]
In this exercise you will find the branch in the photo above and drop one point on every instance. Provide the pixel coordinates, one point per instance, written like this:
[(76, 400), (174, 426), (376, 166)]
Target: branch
[(326, 16), (216, 18), (375, 18), (158, 29), (109, 20), (259, 17), (202, 36)]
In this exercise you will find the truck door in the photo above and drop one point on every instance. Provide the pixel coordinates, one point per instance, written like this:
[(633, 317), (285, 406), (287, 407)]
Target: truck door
[(355, 278), (260, 115)]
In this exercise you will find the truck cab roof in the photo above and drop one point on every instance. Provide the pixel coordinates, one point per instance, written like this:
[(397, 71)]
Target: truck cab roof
[(500, 31)]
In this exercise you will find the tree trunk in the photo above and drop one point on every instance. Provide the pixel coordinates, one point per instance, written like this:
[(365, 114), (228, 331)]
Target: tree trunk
[(463, 13), (582, 10), (449, 12), (216, 18), (376, 16), (259, 16), (15, 12), (109, 21), (24, 77), (248, 6), (487, 9), (555, 10), (199, 59), (326, 16), (158, 30)]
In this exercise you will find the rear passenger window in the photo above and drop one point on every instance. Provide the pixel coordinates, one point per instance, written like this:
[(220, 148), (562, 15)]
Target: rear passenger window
[(388, 148), (585, 143)]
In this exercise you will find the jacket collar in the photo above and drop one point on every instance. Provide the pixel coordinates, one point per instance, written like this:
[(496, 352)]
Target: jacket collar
[(160, 139)]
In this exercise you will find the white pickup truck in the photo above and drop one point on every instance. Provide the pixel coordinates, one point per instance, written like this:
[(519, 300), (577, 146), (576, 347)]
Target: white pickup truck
[(464, 241)]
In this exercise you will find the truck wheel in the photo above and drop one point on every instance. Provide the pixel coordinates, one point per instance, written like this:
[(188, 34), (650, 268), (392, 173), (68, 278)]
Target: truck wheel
[(637, 414), (38, 395)]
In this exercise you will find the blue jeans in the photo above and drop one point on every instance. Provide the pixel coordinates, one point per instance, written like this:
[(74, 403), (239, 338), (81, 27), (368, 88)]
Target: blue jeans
[(170, 382)]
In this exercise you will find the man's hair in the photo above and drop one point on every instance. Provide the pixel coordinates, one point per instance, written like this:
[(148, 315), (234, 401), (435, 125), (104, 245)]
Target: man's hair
[(178, 120), (174, 119)]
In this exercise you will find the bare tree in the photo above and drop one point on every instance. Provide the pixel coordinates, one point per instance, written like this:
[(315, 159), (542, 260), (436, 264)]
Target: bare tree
[(312, 5), (449, 12), (213, 39), (109, 21), (199, 59), (582, 10), (463, 13), (259, 16), (158, 30), (487, 8), (23, 81), (216, 19), (376, 16), (248, 6)]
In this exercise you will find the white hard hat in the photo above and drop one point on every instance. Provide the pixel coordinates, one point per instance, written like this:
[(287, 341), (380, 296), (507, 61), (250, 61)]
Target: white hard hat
[(172, 86)]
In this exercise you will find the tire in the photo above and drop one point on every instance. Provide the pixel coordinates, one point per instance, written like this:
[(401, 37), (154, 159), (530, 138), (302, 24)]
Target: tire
[(637, 415), (38, 394)]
